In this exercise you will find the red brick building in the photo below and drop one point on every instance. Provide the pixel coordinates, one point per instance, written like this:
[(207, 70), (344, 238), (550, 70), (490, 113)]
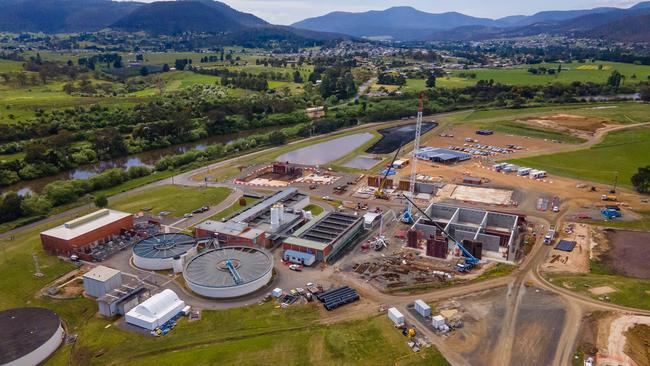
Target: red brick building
[(96, 228)]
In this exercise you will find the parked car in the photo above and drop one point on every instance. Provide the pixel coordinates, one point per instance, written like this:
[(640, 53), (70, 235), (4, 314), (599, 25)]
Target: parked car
[(295, 267)]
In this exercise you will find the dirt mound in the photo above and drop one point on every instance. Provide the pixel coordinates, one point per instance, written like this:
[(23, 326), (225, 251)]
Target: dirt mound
[(568, 122)]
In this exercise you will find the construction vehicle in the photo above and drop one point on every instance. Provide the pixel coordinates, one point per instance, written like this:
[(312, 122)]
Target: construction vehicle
[(609, 197), (550, 235), (469, 261), (379, 193), (411, 333), (407, 215)]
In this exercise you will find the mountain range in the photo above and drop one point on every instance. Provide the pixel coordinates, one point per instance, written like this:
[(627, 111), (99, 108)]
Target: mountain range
[(408, 24), (399, 23)]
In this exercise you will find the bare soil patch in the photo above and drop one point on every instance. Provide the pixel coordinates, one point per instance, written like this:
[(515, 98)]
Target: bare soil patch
[(568, 123), (638, 344), (602, 290), (577, 260), (500, 139), (628, 253)]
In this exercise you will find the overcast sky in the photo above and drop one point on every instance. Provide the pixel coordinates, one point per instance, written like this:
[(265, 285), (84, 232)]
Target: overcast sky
[(290, 11)]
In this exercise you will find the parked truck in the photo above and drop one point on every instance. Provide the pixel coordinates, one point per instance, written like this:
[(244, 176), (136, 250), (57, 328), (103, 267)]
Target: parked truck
[(550, 235), (608, 197)]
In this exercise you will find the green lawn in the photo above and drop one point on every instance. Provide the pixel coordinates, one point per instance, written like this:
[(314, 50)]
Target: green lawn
[(233, 208), (10, 66), (621, 153), (315, 209), (176, 199), (587, 72), (631, 292)]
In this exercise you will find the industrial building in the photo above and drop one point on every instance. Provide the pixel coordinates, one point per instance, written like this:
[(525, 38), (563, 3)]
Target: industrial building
[(101, 280), (228, 272), (28, 336), (164, 251), (79, 234), (439, 155), (122, 299), (485, 233), (264, 224), (156, 310), (326, 236)]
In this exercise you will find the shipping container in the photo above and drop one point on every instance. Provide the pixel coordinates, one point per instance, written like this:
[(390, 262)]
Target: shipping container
[(396, 316), (422, 308)]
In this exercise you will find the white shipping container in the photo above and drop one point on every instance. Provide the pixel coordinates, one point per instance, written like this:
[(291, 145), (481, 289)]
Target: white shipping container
[(395, 316), (422, 308), (438, 321)]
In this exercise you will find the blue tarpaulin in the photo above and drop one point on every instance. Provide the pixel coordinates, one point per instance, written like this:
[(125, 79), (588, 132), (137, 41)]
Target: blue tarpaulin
[(565, 245)]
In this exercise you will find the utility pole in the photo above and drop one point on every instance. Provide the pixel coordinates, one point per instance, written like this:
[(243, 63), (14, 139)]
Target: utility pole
[(615, 183)]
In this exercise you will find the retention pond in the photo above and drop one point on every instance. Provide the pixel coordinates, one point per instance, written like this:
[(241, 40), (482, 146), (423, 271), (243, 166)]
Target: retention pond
[(397, 136), (327, 151)]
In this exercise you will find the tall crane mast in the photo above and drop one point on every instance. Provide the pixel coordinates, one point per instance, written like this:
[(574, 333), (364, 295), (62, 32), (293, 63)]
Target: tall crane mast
[(408, 217)]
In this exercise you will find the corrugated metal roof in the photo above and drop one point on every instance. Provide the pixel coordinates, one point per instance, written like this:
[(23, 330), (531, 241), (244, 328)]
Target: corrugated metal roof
[(85, 224)]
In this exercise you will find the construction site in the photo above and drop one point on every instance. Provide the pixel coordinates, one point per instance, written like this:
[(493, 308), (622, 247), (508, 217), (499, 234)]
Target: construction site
[(429, 224)]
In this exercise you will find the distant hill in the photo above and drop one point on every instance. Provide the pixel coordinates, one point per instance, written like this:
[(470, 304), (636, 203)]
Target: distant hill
[(406, 23), (246, 19), (174, 17), (53, 16), (630, 29), (394, 22)]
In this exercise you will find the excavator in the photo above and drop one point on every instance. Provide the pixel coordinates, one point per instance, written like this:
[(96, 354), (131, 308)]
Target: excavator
[(379, 193)]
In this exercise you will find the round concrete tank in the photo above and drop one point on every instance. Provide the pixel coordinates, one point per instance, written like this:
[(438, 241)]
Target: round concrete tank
[(228, 272), (28, 336), (157, 252)]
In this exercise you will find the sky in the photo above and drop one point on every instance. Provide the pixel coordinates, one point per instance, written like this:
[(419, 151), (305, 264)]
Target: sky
[(290, 11)]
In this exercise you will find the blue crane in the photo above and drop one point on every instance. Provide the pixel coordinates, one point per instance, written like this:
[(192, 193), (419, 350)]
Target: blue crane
[(470, 260)]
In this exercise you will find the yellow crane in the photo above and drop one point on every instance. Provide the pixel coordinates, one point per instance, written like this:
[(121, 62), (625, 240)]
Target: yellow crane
[(379, 193)]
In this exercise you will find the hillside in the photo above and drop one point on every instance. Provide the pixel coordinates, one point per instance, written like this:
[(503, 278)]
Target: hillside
[(53, 16), (390, 22), (174, 17), (631, 29)]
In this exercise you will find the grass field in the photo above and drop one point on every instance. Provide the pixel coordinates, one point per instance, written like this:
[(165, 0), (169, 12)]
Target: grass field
[(178, 200), (632, 292), (587, 72), (10, 66), (621, 153), (233, 208)]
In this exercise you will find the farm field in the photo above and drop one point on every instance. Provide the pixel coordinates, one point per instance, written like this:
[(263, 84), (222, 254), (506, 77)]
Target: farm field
[(176, 199), (620, 153), (585, 72)]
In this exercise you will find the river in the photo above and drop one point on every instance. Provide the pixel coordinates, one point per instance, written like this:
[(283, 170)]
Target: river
[(146, 158)]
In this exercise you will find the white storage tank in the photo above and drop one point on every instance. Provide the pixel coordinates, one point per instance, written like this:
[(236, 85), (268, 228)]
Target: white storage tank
[(438, 321), (396, 316), (422, 308)]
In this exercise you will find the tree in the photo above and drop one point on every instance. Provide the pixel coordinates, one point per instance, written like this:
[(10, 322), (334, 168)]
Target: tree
[(645, 92), (10, 208), (641, 180), (36, 206), (101, 201), (297, 78), (614, 79), (109, 142), (144, 71), (165, 68), (431, 81), (277, 138)]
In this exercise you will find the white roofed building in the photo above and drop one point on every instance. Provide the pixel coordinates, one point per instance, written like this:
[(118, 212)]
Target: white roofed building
[(156, 310)]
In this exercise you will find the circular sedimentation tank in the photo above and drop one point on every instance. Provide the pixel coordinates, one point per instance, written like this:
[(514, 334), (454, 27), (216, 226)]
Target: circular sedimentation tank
[(228, 272), (28, 336), (157, 252)]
